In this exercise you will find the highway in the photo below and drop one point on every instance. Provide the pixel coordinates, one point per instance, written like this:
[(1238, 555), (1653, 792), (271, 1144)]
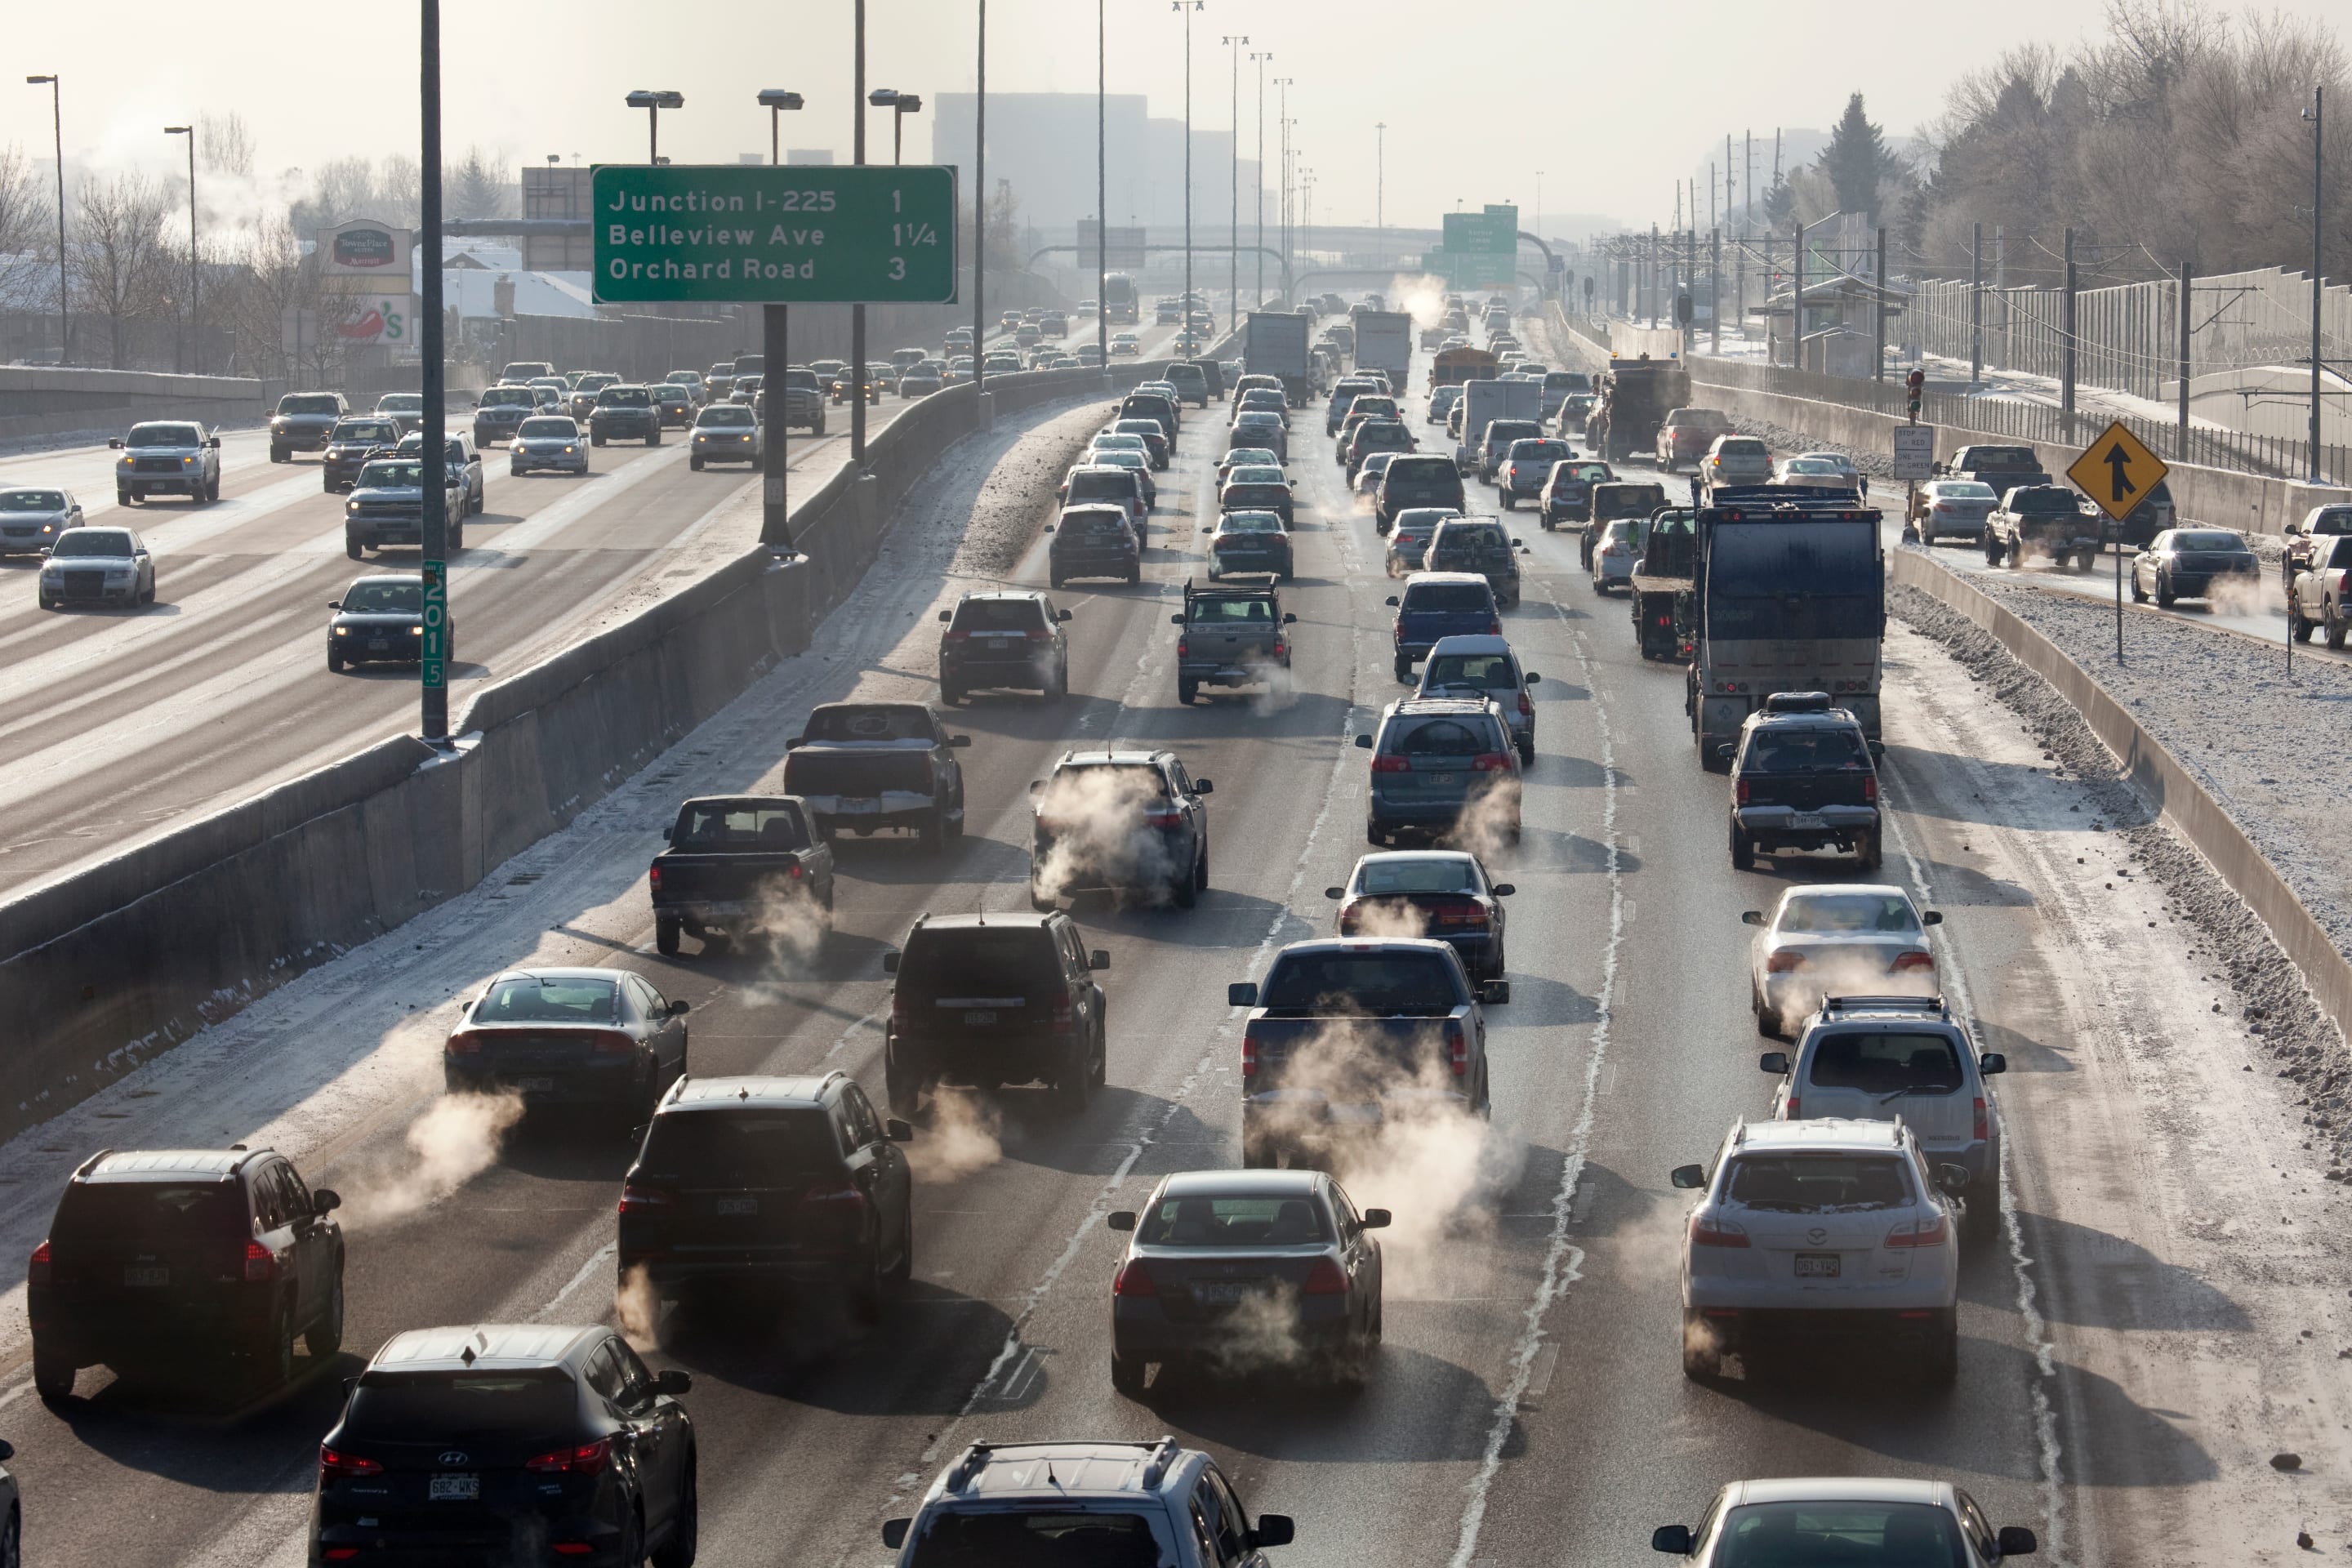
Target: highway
[(1527, 1405), (126, 723)]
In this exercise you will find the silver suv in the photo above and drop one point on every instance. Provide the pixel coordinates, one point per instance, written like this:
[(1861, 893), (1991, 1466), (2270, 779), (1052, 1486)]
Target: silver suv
[(1085, 1503), (168, 457)]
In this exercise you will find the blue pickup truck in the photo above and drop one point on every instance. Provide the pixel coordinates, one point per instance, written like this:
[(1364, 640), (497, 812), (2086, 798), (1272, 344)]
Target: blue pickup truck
[(1345, 1036), (1437, 604)]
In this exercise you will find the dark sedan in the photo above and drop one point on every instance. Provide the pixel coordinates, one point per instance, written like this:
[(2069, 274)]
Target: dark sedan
[(1247, 1271), (2192, 564), (352, 443), (380, 620), (1266, 430), (1256, 495), (1440, 893), (1249, 542), (569, 1037)]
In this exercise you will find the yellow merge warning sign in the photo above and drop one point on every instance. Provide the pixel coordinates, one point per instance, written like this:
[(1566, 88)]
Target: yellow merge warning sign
[(2117, 470)]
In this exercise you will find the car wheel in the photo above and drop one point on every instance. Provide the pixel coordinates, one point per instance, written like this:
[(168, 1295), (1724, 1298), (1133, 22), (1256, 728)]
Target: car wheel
[(2138, 593), (277, 455), (1702, 1360), (694, 461), (665, 933), (1055, 579), (1993, 550), (1186, 690), (595, 440), (952, 696), (53, 1376), (933, 833), (1186, 889), (275, 1365), (1940, 1367), (325, 1337), (1403, 670), (1527, 754), (122, 498), (902, 1090), (456, 534), (334, 661), (1126, 1374), (1767, 1023), (2336, 629), (1074, 1085), (1743, 850), (352, 547), (516, 471), (677, 1551), (2299, 628), (1868, 856)]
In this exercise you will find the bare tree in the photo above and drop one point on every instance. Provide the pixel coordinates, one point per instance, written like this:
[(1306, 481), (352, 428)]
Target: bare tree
[(28, 233), (224, 145), (116, 251)]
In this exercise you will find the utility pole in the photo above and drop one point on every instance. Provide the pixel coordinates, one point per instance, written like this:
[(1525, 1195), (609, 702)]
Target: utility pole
[(1282, 116), (980, 208), (56, 84), (433, 530), (1878, 352), (1185, 311), (2317, 116), (775, 347), (2066, 384), (1102, 201), (1975, 305), (1233, 230), (2181, 443), (858, 313), (1714, 292), (1261, 57), (1797, 305)]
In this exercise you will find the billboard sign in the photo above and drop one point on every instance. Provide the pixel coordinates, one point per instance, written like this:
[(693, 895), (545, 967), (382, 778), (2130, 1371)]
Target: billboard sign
[(368, 248)]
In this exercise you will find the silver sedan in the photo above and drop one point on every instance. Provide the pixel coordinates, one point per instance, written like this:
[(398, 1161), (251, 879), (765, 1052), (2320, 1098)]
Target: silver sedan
[(97, 566), (31, 519), (1836, 938)]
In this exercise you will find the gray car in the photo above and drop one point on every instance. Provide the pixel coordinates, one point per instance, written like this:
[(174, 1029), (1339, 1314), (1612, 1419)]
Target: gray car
[(551, 441), (724, 433), (1214, 1255), (463, 460), (627, 413), (1485, 667), (387, 507), (31, 519), (1437, 760), (171, 457), (97, 566), (303, 422)]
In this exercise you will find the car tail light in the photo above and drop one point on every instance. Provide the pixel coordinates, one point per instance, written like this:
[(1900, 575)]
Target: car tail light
[(1348, 918), (1062, 1021), (1326, 1279), (585, 1459), (1782, 962), (1527, 704), (1465, 914), (1705, 1230), (260, 1263), (1183, 648), (465, 1043), (332, 1465), (1870, 788), (1491, 762), (1249, 1051), (36, 1272), (2343, 582), (1494, 626), (1163, 819), (612, 1042), (1390, 765), (1134, 1279), (653, 874), (1457, 1048), (1917, 1233), (339, 1554), (637, 1199), (1739, 791), (1281, 649), (1981, 1127), (1908, 962), (572, 1548), (794, 871), (955, 637)]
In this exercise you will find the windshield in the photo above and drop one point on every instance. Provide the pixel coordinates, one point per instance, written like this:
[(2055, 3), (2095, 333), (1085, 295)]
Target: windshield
[(724, 417), (174, 434), (1963, 489), (401, 403), (553, 999), (1806, 748), (1885, 1062), (308, 403), (625, 397), (1849, 1534), (366, 430), (382, 597), (1359, 984), (765, 1147), (76, 542), (870, 724), (1378, 433), (1486, 671), (739, 825), (400, 1406), (1232, 1221), (1847, 913), (32, 500), (392, 475), (1418, 874), (1447, 598), (510, 397), (2229, 542), (548, 429), (2001, 459), (1253, 457), (1817, 1183), (1040, 1540)]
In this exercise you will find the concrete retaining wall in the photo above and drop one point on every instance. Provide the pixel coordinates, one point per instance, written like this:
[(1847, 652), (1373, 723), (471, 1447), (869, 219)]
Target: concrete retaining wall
[(2158, 778), (45, 402), (111, 965)]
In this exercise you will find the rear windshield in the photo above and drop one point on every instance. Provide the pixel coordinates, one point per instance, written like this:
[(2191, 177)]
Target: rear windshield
[(1234, 1222), (1206, 610), (1039, 1540), (108, 1213), (1368, 985), (556, 999), (1849, 913), (1486, 671), (1437, 737), (739, 825), (392, 475), (2223, 541), (1254, 494), (1817, 1183), (1473, 538), (2003, 460), (1249, 521), (1863, 1534), (870, 724), (1013, 967), (1516, 430), (1420, 469), (1383, 433), (1740, 446), (999, 615), (1419, 874), (747, 1147), (1885, 1062), (1101, 487), (1963, 489), (1540, 451), (1451, 598), (379, 598), (1807, 749), (446, 1406), (1105, 523)]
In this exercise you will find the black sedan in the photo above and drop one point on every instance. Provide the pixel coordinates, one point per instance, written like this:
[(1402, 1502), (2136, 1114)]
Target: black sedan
[(1440, 893), (1247, 1271), (1249, 542), (569, 1037), (509, 1442), (2192, 564), (380, 620)]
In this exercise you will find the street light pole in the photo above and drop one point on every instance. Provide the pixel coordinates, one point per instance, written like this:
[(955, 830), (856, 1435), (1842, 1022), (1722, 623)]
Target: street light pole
[(433, 531), (1380, 180), (858, 313), (195, 354), (58, 128), (980, 201), (1185, 311), (1261, 57), (1234, 233), (1102, 197), (653, 103), (1282, 114), (2316, 114), (775, 351)]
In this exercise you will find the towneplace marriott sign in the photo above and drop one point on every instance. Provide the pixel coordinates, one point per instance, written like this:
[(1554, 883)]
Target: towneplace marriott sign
[(767, 233)]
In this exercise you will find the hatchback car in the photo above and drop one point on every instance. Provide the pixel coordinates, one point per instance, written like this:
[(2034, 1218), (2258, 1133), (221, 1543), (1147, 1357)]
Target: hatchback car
[(1248, 1271), (380, 620), (498, 1442), (1803, 777), (1003, 639), (990, 1000), (600, 1038), (1440, 893), (97, 566), (1835, 939), (1485, 665), (158, 1259), (1833, 1232), (1250, 542), (550, 441), (755, 1183), (1440, 765), (2192, 564), (1094, 539), (31, 520), (724, 433), (1864, 1521), (1130, 823)]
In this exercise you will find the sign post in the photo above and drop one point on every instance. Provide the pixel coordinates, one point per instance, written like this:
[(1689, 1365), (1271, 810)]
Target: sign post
[(1914, 459), (2117, 471)]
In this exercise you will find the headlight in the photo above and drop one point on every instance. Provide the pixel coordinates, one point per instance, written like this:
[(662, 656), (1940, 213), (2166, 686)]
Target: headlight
[(416, 631), (123, 461), (342, 631), (351, 505)]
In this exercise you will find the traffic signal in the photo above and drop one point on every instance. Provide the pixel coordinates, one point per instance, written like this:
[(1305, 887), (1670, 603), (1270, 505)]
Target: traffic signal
[(1915, 385), (1683, 310)]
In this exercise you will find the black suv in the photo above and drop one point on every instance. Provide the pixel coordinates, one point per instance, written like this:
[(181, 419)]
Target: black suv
[(354, 442), (625, 414), (157, 1256), (1009, 639), (995, 999), (509, 1442), (1803, 777), (1120, 822), (769, 1182), (1094, 541)]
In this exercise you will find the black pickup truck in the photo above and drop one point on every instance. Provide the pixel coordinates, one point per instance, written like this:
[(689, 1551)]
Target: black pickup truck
[(741, 867), (861, 766), (1347, 1036)]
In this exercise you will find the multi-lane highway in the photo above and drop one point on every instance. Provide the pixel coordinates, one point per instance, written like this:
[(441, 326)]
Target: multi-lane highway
[(1527, 1405)]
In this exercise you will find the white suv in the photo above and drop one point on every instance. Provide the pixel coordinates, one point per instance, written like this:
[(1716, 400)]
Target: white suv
[(1735, 460), (1828, 1230)]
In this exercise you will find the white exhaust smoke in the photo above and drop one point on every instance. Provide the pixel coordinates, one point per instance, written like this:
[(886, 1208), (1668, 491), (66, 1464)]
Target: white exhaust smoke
[(961, 1138), (454, 1142), (1096, 819)]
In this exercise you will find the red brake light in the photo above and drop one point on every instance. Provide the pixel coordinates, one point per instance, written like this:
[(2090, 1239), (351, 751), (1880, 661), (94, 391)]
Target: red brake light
[(1347, 920), (331, 1463), (1870, 788), (1793, 1106), (1527, 703), (1782, 962), (1491, 762), (1390, 765), (584, 1460), (1739, 791), (571, 1548), (1917, 1233), (1061, 1017), (1183, 648), (1494, 626), (1326, 1279), (635, 1199), (653, 874), (465, 1044), (1134, 1279), (260, 1263), (952, 636), (1706, 1231), (1983, 1123), (1457, 1049), (1163, 819), (1249, 1053), (37, 1271), (612, 1042), (339, 1553), (1906, 963)]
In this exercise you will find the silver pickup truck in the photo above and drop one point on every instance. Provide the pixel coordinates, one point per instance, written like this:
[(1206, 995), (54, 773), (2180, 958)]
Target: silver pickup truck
[(1230, 637)]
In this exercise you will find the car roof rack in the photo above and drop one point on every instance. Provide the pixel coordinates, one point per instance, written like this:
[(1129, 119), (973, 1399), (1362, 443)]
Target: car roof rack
[(1936, 1003), (968, 1465), (1163, 1454)]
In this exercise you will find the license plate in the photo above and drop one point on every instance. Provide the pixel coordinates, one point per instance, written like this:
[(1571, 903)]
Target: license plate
[(454, 1488), (1806, 819), (980, 1016), (536, 1085), (146, 1278), (999, 645), (1817, 1266), (1445, 779), (1224, 1292), (737, 1205)]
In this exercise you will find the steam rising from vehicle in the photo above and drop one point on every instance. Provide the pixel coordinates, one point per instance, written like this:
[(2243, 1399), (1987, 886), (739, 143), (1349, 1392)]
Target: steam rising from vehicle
[(2238, 595), (1848, 972), (1095, 816), (1260, 1334), (1488, 825), (455, 1140), (961, 1139), (1390, 918), (637, 1309), (1420, 296)]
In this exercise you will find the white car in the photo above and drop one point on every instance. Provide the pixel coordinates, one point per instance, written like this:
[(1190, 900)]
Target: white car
[(97, 566), (1815, 473), (1946, 507), (32, 518), (549, 441), (1842, 463), (1864, 1520), (1614, 555), (1833, 1231), (1832, 939), (1368, 478), (1735, 460)]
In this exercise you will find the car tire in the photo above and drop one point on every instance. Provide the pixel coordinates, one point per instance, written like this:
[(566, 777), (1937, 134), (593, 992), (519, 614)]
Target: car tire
[(122, 498), (933, 833), (1768, 1023), (46, 602), (1059, 686), (1702, 1361), (1993, 550), (666, 934), (1743, 851), (1186, 690), (1126, 1374), (2138, 593), (1527, 754), (656, 439), (1872, 852), (334, 661), (1940, 1367), (903, 1092), (952, 696), (325, 1337), (279, 454), (1186, 889), (274, 1367), (1055, 579), (352, 547), (456, 534), (1403, 670), (1073, 1087), (685, 1531), (2336, 629), (2299, 628), (2164, 593), (516, 471), (595, 439), (53, 1376)]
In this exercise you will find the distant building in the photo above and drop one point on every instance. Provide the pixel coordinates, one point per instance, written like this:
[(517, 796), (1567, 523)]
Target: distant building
[(808, 154)]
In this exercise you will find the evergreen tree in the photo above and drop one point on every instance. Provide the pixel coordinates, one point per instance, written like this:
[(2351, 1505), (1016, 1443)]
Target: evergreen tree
[(1857, 160)]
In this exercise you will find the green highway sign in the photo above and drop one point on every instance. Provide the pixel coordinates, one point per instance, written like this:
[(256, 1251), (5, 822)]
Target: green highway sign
[(434, 663), (1495, 232), (1470, 270), (765, 233)]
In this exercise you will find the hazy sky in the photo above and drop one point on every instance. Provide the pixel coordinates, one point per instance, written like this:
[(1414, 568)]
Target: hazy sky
[(1611, 101)]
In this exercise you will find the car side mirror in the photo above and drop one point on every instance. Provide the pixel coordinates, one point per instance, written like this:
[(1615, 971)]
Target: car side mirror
[(673, 1382), (1505, 890), (1674, 1537), (1121, 1219), (1099, 959), (1390, 600), (1952, 1178), (890, 962), (1175, 620), (1288, 619), (1062, 615), (1773, 1062), (1036, 786), (2016, 1541), (213, 443), (1049, 528), (1992, 1064), (1877, 749), (1724, 752), (1530, 678), (1274, 1530), (1689, 1178), (1751, 917), (1335, 892), (1378, 1219), (894, 1533), (326, 1200), (898, 1131), (945, 616), (334, 604), (1495, 993), (678, 1008), (959, 741), (1241, 994), (114, 442), (1363, 743), (1203, 786)]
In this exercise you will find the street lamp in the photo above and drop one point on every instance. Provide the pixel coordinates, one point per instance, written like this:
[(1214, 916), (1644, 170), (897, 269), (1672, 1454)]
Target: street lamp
[(1233, 234), (195, 354), (1185, 311), (653, 103), (1380, 179), (1261, 57), (901, 104), (2316, 114), (774, 99), (775, 349), (58, 126)]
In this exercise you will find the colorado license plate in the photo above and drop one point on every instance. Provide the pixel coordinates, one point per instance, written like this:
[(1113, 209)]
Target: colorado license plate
[(980, 1016), (1806, 819), (1817, 1266), (454, 1488), (146, 1278), (737, 1206)]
